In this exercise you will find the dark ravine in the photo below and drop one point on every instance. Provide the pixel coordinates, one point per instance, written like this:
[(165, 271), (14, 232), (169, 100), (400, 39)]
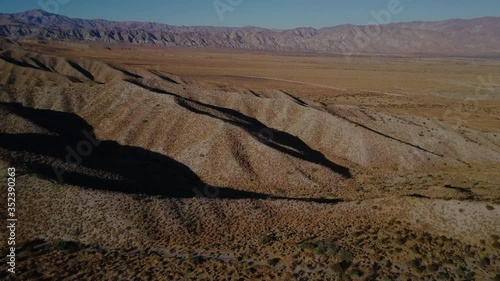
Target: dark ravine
[(479, 36)]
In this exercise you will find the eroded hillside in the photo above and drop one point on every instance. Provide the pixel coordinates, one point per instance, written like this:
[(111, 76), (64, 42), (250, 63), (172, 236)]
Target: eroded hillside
[(259, 183)]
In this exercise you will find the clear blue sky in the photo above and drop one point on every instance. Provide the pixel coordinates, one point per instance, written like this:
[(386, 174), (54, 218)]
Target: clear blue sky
[(263, 13)]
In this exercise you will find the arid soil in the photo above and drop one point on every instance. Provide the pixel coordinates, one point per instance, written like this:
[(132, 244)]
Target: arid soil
[(231, 165)]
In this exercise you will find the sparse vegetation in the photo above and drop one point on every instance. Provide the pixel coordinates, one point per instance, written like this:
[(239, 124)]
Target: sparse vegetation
[(377, 205)]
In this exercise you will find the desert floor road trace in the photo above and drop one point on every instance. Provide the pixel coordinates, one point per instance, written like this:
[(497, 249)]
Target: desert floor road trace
[(293, 81), (316, 85), (225, 164)]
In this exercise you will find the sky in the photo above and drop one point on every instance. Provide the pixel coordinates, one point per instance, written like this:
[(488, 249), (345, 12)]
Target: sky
[(281, 14)]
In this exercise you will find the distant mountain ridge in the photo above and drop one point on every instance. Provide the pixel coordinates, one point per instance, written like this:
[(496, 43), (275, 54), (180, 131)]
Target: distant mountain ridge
[(456, 36)]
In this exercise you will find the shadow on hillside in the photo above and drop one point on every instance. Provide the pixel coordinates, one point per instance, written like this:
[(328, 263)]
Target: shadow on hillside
[(18, 62), (104, 165), (281, 141), (82, 70)]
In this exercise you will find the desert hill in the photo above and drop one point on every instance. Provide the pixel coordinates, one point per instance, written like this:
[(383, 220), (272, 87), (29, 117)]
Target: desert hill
[(196, 170), (258, 137)]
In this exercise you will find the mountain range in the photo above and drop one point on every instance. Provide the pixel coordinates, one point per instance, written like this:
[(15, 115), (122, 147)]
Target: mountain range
[(455, 36)]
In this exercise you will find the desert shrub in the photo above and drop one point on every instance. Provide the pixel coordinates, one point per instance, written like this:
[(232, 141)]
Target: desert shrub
[(415, 249), (470, 276), (443, 276), (268, 239), (345, 276), (415, 263), (337, 268), (489, 207), (357, 273), (485, 262), (320, 247), (307, 246), (30, 245), (251, 270), (66, 245), (460, 271), (273, 262), (401, 240), (433, 267), (376, 267), (345, 264), (345, 255), (458, 259), (197, 260)]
